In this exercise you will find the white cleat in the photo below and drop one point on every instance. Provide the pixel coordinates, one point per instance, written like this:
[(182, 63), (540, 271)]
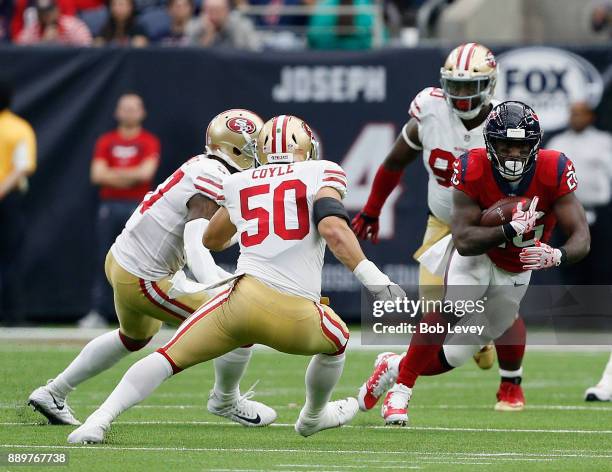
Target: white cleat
[(93, 430), (598, 393), (88, 433), (335, 414), (56, 410), (395, 407), (244, 411)]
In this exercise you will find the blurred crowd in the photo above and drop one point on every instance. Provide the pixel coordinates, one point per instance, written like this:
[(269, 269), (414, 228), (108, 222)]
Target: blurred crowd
[(241, 24)]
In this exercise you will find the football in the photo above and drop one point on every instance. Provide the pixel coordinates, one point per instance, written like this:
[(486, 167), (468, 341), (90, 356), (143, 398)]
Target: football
[(500, 212)]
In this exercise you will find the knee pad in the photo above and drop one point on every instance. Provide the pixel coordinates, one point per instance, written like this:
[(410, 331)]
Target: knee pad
[(456, 355), (133, 345)]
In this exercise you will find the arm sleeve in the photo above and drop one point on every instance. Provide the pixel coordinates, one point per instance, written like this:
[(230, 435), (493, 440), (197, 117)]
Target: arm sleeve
[(461, 180), (566, 176), (199, 259), (333, 176)]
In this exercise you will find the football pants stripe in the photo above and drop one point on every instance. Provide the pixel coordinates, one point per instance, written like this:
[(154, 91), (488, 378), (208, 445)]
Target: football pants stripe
[(333, 333), (158, 298), (209, 306), (176, 303)]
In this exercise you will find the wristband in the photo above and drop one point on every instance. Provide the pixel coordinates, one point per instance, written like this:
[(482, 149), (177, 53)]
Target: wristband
[(563, 255), (368, 274), (509, 231)]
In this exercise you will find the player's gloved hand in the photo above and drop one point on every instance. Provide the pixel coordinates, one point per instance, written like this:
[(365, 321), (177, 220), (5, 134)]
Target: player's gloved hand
[(388, 292), (365, 226), (540, 256), (524, 221), (377, 283)]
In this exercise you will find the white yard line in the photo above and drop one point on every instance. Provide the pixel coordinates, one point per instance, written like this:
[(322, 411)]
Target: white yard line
[(480, 455), (407, 428)]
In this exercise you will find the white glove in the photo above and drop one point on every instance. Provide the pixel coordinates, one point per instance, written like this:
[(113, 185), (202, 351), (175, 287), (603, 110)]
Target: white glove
[(540, 256), (377, 283), (524, 221)]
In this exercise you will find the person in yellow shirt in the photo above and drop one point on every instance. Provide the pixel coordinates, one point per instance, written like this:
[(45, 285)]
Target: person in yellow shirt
[(17, 163)]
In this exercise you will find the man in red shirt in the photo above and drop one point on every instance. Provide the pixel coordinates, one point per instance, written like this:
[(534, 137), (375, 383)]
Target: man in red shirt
[(124, 163)]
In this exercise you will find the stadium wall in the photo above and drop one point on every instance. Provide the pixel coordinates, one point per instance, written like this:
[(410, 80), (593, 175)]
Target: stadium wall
[(356, 103)]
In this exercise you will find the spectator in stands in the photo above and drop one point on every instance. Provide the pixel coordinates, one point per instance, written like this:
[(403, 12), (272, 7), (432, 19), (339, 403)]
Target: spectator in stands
[(181, 23), (17, 163), (24, 12), (220, 26), (122, 28), (344, 30), (273, 16), (52, 27), (601, 18), (6, 13), (124, 163), (591, 151)]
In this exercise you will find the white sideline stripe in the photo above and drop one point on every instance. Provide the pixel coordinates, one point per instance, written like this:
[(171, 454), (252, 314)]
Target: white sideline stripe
[(407, 428), (85, 335), (483, 455)]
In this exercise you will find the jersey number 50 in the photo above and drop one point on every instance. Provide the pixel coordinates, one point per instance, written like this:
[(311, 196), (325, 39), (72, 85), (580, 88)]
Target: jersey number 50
[(279, 216)]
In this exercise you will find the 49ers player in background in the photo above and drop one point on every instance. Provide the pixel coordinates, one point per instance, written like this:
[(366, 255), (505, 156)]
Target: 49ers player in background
[(162, 235), (444, 124), (494, 264), (285, 212)]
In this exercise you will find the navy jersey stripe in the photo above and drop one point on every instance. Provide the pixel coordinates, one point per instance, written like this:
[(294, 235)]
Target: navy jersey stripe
[(464, 164), (561, 163)]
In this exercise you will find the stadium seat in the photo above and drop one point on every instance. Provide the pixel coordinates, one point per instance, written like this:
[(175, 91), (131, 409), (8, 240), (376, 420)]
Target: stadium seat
[(94, 19), (155, 22)]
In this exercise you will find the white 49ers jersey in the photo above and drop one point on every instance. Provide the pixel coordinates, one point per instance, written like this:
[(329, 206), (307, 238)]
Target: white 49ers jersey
[(444, 137), (271, 207), (151, 244)]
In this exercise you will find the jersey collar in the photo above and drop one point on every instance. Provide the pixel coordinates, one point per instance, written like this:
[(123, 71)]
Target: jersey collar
[(523, 185)]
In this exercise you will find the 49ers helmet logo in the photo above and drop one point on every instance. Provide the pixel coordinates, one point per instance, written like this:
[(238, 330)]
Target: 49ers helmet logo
[(240, 124)]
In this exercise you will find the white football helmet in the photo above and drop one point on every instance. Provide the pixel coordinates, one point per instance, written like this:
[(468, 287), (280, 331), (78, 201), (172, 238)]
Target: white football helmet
[(468, 79), (232, 137)]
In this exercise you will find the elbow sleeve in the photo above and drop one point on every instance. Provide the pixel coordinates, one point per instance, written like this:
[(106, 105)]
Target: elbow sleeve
[(198, 257)]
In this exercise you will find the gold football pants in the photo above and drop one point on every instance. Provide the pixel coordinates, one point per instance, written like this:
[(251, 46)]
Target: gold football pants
[(142, 305), (252, 312), (431, 287)]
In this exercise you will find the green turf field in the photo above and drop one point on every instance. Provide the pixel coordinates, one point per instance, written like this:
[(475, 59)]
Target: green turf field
[(453, 425)]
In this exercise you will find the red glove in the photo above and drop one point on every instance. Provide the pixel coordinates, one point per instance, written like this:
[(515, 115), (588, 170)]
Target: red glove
[(365, 224), (540, 256)]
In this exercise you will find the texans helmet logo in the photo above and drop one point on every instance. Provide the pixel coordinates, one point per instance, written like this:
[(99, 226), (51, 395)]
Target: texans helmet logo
[(240, 124)]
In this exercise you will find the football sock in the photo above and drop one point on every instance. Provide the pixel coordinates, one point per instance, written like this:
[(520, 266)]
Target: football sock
[(510, 346), (229, 369), (423, 349), (98, 355), (322, 375), (438, 365), (512, 376), (137, 384), (606, 378)]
